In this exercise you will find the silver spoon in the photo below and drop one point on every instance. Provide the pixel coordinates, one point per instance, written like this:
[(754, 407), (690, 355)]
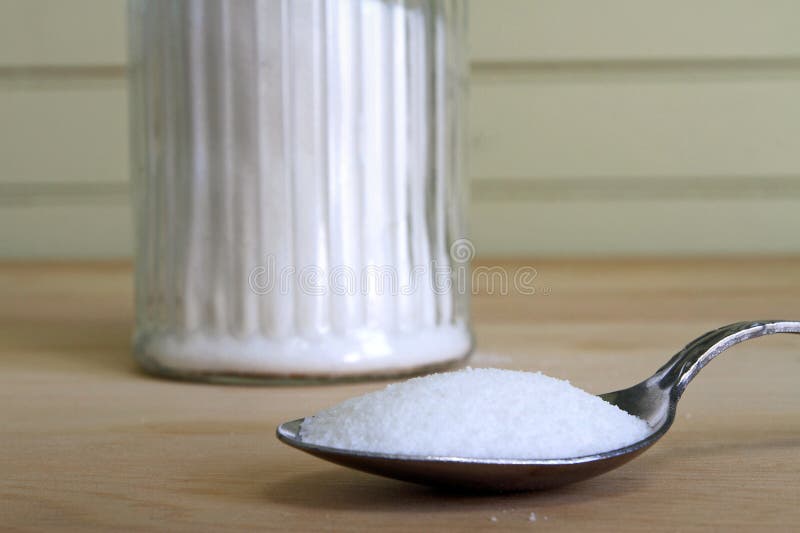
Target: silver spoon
[(654, 400)]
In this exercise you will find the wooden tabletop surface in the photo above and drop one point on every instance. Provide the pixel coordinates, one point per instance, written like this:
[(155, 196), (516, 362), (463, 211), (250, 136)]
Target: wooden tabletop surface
[(89, 442)]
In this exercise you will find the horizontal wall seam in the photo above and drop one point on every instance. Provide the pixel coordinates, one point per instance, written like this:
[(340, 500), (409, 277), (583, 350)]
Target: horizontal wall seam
[(604, 188), (600, 69), (484, 189)]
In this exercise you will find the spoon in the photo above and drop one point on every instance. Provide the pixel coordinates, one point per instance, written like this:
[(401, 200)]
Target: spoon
[(653, 400)]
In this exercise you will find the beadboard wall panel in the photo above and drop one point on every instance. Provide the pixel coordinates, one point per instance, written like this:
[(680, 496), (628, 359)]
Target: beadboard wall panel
[(56, 134), (56, 230), (531, 227), (89, 32), (621, 127), (669, 227), (525, 130), (564, 129), (563, 30), (36, 33)]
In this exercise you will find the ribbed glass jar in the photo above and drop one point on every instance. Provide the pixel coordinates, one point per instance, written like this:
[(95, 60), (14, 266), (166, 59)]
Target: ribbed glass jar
[(297, 169)]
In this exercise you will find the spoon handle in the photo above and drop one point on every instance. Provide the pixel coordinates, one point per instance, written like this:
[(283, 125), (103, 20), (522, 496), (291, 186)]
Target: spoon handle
[(685, 365)]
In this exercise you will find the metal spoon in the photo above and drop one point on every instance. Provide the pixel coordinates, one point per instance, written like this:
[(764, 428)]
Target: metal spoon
[(654, 400)]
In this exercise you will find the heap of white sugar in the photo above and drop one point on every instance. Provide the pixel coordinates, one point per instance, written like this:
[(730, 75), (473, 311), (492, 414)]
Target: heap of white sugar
[(477, 413)]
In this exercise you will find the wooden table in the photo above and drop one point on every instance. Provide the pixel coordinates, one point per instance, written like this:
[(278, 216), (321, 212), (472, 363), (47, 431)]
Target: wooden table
[(88, 442)]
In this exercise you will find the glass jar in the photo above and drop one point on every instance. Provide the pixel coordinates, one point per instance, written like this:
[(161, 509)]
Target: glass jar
[(297, 174)]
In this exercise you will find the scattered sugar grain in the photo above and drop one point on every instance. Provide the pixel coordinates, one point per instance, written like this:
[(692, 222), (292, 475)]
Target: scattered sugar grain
[(532, 517), (481, 413)]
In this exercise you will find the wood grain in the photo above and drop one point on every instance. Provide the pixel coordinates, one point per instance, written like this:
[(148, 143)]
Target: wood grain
[(89, 443)]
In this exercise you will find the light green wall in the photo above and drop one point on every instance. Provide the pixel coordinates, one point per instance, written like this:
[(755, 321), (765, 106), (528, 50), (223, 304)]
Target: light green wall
[(616, 127)]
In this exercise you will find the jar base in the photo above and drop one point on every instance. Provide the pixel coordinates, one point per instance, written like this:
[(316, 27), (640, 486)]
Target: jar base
[(258, 360)]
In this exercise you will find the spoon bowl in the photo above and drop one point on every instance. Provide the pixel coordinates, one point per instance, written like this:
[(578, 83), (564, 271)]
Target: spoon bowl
[(654, 400)]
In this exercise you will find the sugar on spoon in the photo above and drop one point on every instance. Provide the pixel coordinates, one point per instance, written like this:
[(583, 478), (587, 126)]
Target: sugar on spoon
[(654, 400)]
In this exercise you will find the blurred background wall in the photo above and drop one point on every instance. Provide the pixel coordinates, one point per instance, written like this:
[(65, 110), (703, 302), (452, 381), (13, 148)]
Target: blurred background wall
[(624, 127)]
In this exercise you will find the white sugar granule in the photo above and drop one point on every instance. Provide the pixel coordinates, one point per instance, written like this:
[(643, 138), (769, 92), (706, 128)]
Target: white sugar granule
[(481, 413)]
